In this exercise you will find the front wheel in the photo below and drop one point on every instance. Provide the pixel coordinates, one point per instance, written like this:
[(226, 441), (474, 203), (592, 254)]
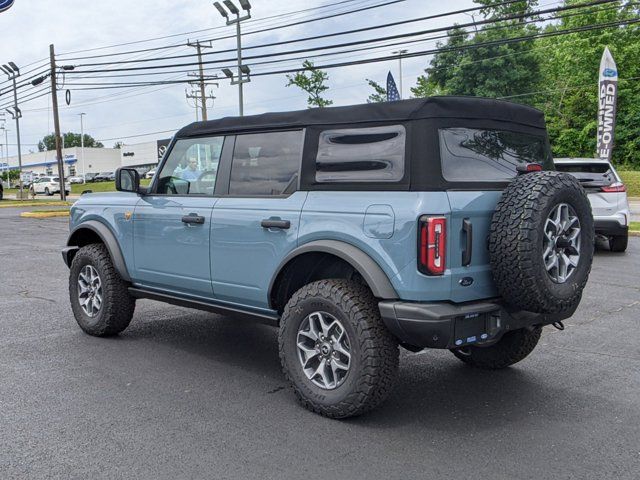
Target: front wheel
[(99, 297), (335, 350), (511, 348)]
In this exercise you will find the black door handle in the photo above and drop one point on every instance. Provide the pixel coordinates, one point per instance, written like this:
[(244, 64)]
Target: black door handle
[(467, 228), (271, 223), (193, 218)]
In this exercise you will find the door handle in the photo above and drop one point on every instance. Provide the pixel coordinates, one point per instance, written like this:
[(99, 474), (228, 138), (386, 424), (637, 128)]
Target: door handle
[(467, 228), (273, 223), (193, 218)]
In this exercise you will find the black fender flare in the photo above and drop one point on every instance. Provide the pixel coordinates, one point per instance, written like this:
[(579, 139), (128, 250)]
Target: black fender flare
[(368, 268), (109, 240)]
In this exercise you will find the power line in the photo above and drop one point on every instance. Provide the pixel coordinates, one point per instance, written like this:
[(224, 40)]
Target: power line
[(343, 52), (344, 44), (340, 33), (370, 7), (412, 54)]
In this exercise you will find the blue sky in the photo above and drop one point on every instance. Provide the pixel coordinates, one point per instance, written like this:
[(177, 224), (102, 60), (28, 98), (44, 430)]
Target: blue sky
[(31, 25)]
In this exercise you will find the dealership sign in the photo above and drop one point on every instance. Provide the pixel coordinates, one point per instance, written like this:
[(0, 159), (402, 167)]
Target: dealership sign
[(607, 97), (6, 5)]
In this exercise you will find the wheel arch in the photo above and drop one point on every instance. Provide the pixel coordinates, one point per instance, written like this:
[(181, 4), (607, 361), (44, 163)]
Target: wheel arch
[(346, 255), (93, 231)]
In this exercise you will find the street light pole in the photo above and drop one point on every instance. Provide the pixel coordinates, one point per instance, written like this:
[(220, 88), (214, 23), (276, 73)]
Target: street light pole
[(13, 72), (82, 146), (400, 53), (243, 75)]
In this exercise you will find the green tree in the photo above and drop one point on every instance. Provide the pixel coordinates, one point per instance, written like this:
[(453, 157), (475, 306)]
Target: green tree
[(312, 81), (569, 79), (70, 140), (495, 70), (379, 94)]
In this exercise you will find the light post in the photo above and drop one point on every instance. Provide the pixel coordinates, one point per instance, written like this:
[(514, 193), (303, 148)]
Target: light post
[(244, 72), (13, 72), (400, 53), (82, 146)]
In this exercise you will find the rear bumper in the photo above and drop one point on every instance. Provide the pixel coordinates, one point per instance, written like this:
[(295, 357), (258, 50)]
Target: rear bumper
[(610, 227), (448, 325)]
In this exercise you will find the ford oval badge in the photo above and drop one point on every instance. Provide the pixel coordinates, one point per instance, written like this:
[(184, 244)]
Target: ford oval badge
[(466, 281)]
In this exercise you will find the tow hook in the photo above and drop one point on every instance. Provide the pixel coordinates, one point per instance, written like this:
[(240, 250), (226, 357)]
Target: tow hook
[(558, 325)]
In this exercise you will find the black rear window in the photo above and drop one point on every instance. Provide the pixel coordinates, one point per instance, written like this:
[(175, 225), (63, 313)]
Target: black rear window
[(479, 155), (589, 174)]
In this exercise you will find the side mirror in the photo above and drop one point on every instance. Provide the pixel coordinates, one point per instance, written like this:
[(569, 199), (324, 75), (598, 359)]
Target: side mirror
[(127, 180)]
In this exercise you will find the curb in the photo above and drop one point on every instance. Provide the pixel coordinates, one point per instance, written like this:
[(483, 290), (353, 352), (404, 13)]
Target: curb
[(18, 204), (44, 214)]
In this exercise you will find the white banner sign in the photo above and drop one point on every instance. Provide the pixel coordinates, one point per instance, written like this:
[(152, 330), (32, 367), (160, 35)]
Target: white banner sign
[(607, 97)]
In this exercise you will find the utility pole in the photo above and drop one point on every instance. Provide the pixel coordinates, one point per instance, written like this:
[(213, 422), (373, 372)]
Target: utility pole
[(199, 100), (82, 146), (203, 96), (13, 72), (400, 53), (243, 75), (56, 122)]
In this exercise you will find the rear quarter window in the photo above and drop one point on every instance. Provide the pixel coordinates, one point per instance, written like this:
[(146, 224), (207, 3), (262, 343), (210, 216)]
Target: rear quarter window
[(478, 155), (372, 154)]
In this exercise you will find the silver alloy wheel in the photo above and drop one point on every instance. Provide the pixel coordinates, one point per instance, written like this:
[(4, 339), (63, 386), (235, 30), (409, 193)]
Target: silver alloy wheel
[(90, 290), (324, 350), (561, 243)]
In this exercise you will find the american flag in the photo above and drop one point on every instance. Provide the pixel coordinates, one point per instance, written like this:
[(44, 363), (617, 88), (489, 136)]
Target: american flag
[(392, 91)]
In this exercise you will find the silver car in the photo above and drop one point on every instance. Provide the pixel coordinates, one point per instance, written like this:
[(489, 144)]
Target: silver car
[(608, 196)]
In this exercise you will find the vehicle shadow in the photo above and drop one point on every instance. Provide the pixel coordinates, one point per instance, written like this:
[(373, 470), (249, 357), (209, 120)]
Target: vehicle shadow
[(433, 388)]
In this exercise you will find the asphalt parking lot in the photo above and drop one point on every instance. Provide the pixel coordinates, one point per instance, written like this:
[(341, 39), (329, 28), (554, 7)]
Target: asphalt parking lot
[(187, 394)]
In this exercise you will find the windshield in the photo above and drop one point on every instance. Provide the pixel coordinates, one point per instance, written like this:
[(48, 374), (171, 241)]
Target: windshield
[(476, 155), (589, 174)]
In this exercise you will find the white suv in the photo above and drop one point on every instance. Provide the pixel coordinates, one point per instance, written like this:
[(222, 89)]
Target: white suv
[(608, 196), (47, 185)]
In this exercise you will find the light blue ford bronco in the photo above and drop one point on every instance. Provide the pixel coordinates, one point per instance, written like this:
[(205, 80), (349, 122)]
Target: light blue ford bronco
[(425, 223)]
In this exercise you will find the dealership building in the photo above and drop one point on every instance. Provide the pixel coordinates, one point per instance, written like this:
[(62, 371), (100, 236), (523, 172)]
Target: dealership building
[(96, 160)]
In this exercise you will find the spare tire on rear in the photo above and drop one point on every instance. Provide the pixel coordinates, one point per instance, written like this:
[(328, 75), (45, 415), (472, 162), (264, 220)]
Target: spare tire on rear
[(541, 242)]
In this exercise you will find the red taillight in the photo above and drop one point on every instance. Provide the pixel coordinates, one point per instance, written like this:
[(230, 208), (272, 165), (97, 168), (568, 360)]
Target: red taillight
[(534, 167), (432, 245), (614, 188)]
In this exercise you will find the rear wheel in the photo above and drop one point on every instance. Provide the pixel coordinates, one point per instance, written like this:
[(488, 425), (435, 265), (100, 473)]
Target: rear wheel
[(511, 348), (335, 350), (618, 243), (99, 297)]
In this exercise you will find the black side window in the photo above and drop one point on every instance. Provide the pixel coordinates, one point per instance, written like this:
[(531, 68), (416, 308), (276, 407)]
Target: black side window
[(266, 163), (373, 154)]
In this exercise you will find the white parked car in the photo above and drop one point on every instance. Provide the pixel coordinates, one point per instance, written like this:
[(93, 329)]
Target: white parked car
[(150, 173), (47, 186), (608, 196), (75, 179)]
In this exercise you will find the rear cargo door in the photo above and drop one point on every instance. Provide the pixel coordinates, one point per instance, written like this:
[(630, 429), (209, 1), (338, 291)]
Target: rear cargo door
[(468, 253)]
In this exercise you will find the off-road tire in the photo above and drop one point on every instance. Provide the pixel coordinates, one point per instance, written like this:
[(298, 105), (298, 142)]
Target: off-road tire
[(516, 242), (511, 348), (374, 350), (117, 307), (618, 243)]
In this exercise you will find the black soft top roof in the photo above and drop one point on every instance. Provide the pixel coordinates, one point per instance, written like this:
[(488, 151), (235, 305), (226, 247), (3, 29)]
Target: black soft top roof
[(419, 108)]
